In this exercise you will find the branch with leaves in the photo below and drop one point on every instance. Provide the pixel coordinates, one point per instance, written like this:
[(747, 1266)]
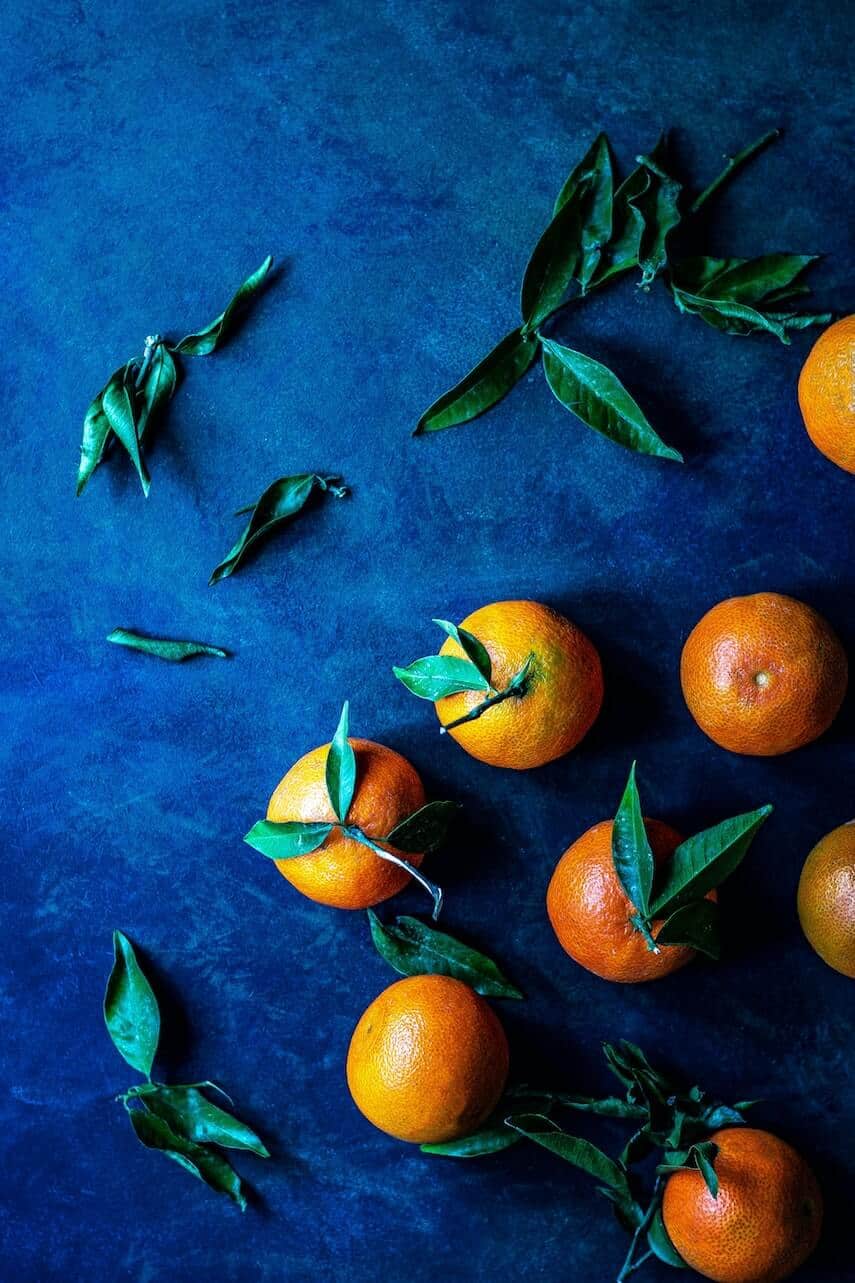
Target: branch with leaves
[(141, 389), (180, 1121), (417, 834), (600, 230)]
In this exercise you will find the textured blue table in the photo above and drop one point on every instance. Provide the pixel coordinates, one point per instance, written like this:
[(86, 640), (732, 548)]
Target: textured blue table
[(400, 162)]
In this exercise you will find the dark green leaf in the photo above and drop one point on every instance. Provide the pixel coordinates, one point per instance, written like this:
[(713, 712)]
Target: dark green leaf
[(600, 400), (161, 647), (472, 648), (631, 853), (415, 949), (658, 204), (742, 280), (489, 1140), (202, 1163), (636, 1148), (621, 253), (704, 1155), (436, 676), (704, 861), (694, 924), (193, 1116), (158, 387), (483, 387), (280, 501), (733, 317), (341, 768), (628, 1211), (118, 402), (554, 261), (661, 1245), (130, 1008), (96, 433), (285, 841), (205, 341), (594, 172), (573, 1149), (425, 829)]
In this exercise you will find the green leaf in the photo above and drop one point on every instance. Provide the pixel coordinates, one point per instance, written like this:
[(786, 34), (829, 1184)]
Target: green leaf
[(119, 405), (658, 205), (341, 767), (489, 1140), (472, 648), (694, 924), (425, 829), (131, 1012), (704, 1155), (603, 1107), (704, 861), (176, 651), (415, 949), (287, 840), (204, 1164), (573, 1149), (661, 1245), (158, 387), (193, 1116), (436, 676), (207, 340), (631, 853), (96, 433), (554, 262), (594, 173), (281, 500), (621, 253), (742, 280), (484, 386), (600, 400)]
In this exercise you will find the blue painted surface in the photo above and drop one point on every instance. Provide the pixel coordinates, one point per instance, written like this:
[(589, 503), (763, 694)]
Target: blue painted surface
[(400, 161)]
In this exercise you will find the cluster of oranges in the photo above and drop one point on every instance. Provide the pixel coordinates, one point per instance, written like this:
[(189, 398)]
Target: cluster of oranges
[(761, 675)]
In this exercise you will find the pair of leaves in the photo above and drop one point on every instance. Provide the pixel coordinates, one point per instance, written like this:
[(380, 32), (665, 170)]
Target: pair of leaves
[(417, 834), (163, 648), (414, 949), (740, 295), (698, 866), (179, 1121), (700, 1157), (438, 676), (141, 389), (281, 501)]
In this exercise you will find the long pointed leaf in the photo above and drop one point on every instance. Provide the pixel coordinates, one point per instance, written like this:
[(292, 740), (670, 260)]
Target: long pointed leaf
[(472, 648), (595, 172), (554, 262), (163, 648), (118, 403), (341, 767), (158, 387), (207, 340), (96, 433), (281, 500), (694, 924), (436, 676), (573, 1149), (425, 829), (702, 862), (413, 948), (190, 1114), (287, 840), (631, 853), (484, 386), (659, 206), (204, 1164), (131, 1012)]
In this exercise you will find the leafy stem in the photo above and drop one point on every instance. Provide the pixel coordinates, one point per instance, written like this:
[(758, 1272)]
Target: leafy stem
[(516, 687), (434, 891), (629, 1265), (733, 163)]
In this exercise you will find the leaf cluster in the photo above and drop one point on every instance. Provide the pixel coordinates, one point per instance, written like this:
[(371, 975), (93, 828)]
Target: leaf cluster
[(180, 1121)]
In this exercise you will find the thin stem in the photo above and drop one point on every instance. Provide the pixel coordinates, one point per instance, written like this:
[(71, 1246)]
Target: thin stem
[(516, 686), (351, 831), (733, 163), (628, 1266)]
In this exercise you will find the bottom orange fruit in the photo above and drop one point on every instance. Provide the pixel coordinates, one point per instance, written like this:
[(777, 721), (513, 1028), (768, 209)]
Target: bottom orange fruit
[(826, 899), (428, 1060), (765, 1221)]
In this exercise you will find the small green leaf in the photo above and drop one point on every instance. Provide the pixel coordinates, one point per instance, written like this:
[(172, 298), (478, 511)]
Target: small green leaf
[(207, 340), (590, 391), (595, 172), (158, 387), (603, 1107), (341, 768), (573, 1149), (484, 386), (631, 853), (622, 251), (704, 861), (661, 1245), (489, 1140), (554, 261), (425, 829), (131, 1012), (96, 433), (415, 949), (287, 840), (472, 648), (659, 207), (192, 1115), (281, 500), (694, 924), (436, 676), (176, 651), (704, 1156), (204, 1164), (118, 402)]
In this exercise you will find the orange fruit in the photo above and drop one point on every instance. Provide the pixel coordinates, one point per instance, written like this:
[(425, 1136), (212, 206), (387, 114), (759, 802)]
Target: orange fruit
[(590, 911), (428, 1060), (763, 674), (826, 899), (562, 694), (827, 393), (766, 1220), (343, 872)]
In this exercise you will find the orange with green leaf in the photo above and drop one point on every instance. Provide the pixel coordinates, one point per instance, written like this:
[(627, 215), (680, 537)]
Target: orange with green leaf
[(516, 684), (631, 901), (349, 825)]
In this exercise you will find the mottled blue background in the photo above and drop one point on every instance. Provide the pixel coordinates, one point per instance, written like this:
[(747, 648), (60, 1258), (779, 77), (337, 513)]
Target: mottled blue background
[(399, 159)]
